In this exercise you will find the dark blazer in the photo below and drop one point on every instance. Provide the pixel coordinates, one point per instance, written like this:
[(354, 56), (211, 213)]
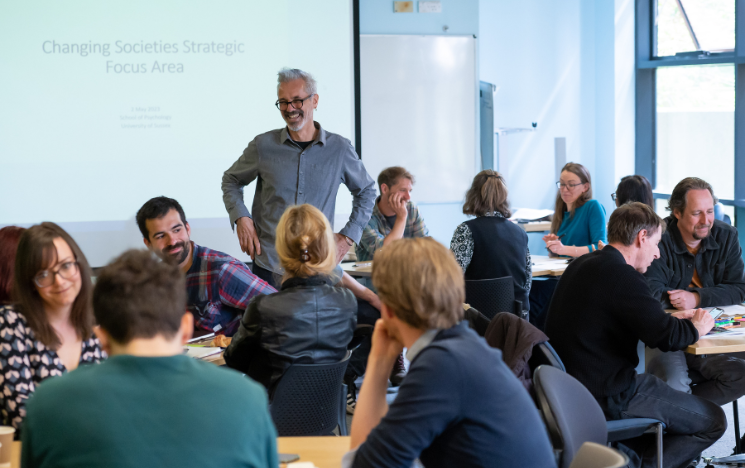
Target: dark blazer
[(516, 338), (718, 263), (459, 406), (308, 321)]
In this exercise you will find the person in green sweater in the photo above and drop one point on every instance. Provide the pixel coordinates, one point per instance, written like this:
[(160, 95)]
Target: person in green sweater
[(148, 404)]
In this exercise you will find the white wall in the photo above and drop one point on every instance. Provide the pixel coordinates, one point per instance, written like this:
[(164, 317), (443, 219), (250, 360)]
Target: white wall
[(460, 17), (568, 65)]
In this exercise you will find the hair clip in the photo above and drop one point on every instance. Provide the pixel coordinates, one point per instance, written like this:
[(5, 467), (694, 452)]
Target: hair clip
[(304, 257)]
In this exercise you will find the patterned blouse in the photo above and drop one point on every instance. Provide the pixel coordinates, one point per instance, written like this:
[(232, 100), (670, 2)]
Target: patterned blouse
[(462, 246), (25, 362)]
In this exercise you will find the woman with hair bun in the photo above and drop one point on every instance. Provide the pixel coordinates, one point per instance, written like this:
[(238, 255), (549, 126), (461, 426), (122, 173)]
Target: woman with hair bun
[(309, 321), (490, 246)]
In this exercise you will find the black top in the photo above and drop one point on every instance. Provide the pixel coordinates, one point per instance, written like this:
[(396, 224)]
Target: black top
[(718, 263), (303, 144), (600, 310), (308, 321), (499, 250)]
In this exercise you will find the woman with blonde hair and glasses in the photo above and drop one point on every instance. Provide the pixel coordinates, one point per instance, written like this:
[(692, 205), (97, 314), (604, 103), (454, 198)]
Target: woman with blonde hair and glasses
[(490, 246), (48, 329), (310, 320)]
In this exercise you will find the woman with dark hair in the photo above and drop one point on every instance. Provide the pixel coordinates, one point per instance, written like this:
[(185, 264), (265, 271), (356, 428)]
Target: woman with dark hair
[(578, 224), (634, 188), (490, 246), (48, 330), (9, 236)]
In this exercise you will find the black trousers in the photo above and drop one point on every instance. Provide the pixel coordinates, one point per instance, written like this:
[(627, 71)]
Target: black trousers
[(541, 292), (270, 277), (693, 424)]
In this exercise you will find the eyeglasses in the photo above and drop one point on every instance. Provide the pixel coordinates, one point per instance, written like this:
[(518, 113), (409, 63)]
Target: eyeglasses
[(45, 278), (296, 103), (613, 196), (567, 186)]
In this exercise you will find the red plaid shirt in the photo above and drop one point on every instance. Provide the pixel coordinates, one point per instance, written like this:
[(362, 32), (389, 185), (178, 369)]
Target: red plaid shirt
[(218, 288)]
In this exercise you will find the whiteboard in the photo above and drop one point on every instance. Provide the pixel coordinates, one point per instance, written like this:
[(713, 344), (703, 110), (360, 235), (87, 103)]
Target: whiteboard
[(418, 97)]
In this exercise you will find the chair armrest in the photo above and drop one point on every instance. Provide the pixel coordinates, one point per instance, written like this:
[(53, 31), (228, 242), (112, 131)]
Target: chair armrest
[(623, 429)]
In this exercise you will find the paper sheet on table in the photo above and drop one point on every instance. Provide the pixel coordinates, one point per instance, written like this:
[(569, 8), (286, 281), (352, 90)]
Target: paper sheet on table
[(732, 310), (530, 214), (730, 333), (201, 352)]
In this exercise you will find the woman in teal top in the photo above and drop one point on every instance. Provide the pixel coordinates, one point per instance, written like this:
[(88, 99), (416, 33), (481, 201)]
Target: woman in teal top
[(578, 225)]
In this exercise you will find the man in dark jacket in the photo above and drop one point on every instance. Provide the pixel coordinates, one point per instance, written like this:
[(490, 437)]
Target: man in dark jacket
[(700, 265), (601, 308), (459, 405)]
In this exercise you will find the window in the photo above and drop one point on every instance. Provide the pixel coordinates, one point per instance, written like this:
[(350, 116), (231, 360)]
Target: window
[(688, 115), (694, 25), (695, 123)]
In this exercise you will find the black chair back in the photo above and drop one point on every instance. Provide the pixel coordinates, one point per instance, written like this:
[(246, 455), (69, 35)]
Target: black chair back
[(310, 400), (491, 296), (571, 413)]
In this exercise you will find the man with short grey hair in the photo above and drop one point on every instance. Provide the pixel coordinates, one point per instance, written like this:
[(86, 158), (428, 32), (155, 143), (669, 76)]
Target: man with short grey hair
[(300, 163)]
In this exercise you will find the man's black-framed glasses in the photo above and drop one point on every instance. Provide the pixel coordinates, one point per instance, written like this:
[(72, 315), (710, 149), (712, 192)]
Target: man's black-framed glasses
[(613, 196), (45, 278), (296, 103)]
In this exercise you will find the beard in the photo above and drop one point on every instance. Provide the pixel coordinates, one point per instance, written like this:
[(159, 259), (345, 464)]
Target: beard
[(176, 258), (695, 231), (299, 126)]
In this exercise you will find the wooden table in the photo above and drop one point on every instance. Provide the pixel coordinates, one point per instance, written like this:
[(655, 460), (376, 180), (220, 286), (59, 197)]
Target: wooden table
[(548, 266), (216, 359), (542, 266), (324, 452), (718, 345), (735, 344), (537, 226), (358, 269), (15, 457)]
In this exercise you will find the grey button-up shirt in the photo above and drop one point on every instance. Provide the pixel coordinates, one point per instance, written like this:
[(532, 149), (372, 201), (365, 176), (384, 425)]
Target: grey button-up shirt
[(288, 175)]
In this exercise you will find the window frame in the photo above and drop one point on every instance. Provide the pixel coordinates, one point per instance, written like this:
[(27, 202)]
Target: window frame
[(646, 102)]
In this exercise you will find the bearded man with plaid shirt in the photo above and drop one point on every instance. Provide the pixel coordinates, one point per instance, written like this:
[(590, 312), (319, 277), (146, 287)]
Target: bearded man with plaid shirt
[(218, 286)]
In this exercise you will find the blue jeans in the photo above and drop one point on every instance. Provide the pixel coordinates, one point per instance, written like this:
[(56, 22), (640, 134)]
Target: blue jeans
[(719, 378), (692, 424)]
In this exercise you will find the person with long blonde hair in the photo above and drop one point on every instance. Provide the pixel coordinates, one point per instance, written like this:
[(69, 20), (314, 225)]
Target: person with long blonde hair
[(310, 320)]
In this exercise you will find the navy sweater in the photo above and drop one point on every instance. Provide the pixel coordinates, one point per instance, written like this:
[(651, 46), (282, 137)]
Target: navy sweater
[(459, 405)]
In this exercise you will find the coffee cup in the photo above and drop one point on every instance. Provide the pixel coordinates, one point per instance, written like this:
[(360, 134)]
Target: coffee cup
[(6, 445)]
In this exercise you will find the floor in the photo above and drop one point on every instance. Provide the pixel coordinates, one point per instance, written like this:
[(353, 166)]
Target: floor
[(723, 447)]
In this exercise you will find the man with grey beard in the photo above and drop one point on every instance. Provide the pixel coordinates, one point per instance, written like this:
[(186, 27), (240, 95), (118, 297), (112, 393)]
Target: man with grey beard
[(700, 265), (300, 163)]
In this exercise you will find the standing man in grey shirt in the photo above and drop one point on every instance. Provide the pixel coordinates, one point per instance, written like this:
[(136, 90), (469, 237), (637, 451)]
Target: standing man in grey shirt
[(301, 163)]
